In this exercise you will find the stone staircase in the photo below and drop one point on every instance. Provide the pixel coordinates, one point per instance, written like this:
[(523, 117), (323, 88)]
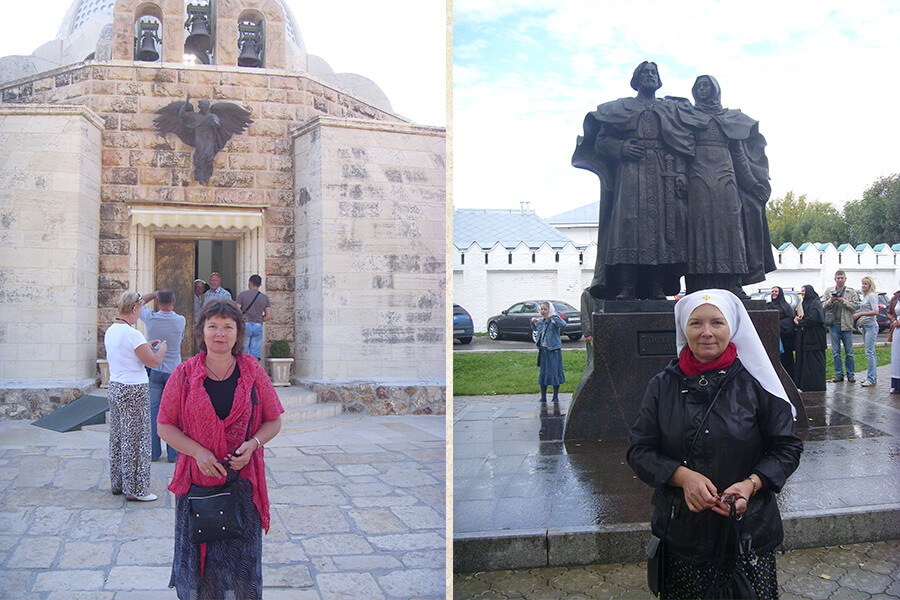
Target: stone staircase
[(301, 409)]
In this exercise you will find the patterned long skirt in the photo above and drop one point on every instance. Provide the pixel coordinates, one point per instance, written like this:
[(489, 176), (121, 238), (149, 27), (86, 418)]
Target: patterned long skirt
[(233, 567), (687, 579), (129, 438)]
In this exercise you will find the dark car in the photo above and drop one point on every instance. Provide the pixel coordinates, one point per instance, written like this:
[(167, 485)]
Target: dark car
[(515, 321), (463, 327)]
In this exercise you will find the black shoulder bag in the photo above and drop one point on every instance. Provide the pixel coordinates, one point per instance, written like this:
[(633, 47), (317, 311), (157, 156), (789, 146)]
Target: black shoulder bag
[(214, 513), (656, 548)]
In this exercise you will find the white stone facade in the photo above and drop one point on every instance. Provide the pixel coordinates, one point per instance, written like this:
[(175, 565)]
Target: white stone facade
[(50, 208), (484, 289), (370, 212)]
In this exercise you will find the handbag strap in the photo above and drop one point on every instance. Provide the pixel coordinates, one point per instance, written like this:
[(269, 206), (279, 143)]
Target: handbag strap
[(251, 302), (253, 403), (669, 514)]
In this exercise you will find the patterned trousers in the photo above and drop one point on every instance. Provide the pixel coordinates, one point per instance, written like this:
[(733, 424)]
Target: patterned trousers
[(129, 438)]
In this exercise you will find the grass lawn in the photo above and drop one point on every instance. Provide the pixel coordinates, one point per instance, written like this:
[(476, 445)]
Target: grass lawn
[(486, 373)]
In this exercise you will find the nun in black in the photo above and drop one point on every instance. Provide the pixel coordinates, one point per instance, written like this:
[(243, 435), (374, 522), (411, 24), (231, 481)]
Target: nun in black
[(786, 326), (810, 343)]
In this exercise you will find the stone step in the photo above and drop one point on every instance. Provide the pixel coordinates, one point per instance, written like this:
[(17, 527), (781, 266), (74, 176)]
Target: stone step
[(295, 397), (300, 406), (315, 412), (626, 542)]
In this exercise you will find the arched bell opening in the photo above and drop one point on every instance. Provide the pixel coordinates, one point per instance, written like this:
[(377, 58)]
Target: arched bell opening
[(251, 40), (199, 39), (148, 33)]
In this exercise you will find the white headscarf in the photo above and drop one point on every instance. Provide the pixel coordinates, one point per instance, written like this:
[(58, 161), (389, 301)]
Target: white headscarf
[(743, 335), (550, 307)]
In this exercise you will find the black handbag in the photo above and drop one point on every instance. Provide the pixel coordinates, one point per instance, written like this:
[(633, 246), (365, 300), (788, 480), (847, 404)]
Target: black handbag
[(733, 569), (214, 513)]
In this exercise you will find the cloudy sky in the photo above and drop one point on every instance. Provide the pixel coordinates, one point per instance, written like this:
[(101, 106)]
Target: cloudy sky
[(399, 44), (820, 77)]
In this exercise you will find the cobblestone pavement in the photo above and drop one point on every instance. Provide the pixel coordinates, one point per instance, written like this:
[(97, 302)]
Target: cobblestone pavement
[(853, 572), (358, 511)]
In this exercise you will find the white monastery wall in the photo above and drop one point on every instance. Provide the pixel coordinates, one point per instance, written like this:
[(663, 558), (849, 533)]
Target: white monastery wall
[(486, 289)]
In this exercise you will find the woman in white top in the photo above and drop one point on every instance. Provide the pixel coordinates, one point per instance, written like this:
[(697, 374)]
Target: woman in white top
[(868, 309), (129, 400)]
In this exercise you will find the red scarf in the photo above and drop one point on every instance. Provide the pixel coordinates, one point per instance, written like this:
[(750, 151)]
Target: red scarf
[(691, 366)]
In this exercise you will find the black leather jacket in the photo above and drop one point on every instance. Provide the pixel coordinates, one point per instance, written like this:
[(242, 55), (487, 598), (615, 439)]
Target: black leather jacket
[(747, 431)]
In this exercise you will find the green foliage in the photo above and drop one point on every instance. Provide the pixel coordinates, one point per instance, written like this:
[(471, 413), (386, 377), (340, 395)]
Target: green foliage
[(872, 220), (876, 217), (280, 349), (795, 220)]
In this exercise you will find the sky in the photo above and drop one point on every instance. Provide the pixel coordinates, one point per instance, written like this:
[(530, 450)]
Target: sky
[(819, 76), (398, 44)]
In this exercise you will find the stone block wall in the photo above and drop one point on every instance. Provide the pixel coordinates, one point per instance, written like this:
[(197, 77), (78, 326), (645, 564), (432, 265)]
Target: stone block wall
[(140, 167), (371, 272), (49, 225)]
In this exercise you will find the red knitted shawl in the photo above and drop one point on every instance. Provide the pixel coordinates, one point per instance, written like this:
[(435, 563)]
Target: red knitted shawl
[(186, 405)]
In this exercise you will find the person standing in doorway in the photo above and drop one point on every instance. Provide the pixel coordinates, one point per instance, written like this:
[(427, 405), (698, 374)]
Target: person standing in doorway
[(257, 310), (215, 289), (200, 288), (164, 324), (868, 310), (840, 302)]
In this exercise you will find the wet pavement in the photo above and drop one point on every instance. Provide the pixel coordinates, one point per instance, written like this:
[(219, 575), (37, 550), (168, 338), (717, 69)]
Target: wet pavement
[(522, 498), (855, 571), (357, 505)]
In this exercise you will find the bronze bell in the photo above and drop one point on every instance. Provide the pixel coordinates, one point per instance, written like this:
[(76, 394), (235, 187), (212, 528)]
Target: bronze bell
[(249, 53), (200, 37), (147, 51)]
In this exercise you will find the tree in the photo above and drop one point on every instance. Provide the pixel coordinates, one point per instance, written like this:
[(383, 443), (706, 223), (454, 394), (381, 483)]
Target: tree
[(875, 218), (793, 219)]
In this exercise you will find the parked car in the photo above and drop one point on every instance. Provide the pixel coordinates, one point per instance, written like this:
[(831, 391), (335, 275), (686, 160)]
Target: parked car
[(792, 296), (463, 327), (515, 321)]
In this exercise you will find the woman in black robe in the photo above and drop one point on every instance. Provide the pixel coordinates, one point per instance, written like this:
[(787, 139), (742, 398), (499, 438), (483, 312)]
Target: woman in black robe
[(786, 326), (810, 337)]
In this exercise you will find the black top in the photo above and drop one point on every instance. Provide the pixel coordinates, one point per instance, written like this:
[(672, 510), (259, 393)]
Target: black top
[(747, 431), (221, 393)]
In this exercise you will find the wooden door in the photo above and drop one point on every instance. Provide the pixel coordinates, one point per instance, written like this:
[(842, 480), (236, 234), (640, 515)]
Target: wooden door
[(175, 270)]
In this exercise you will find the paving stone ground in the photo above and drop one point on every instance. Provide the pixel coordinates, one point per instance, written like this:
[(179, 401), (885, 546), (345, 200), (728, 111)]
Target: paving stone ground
[(866, 571), (358, 512)]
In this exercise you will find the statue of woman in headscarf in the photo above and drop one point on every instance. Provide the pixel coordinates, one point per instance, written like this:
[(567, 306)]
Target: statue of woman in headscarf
[(728, 242)]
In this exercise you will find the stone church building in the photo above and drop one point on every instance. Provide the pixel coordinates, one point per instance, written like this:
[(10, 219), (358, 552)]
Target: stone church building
[(335, 200)]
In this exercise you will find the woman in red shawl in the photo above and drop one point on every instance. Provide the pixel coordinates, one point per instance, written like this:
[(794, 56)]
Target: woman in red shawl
[(204, 413)]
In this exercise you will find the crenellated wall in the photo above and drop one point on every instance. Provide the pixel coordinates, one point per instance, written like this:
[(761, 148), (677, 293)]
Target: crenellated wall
[(484, 288)]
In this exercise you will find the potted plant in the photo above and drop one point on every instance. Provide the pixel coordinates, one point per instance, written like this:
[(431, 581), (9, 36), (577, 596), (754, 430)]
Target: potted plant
[(280, 362)]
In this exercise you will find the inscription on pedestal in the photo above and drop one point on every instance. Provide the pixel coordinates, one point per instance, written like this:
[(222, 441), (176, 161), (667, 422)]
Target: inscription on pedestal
[(656, 343)]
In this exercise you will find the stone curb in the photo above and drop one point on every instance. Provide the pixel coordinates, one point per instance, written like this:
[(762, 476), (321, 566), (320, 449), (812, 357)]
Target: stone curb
[(625, 543)]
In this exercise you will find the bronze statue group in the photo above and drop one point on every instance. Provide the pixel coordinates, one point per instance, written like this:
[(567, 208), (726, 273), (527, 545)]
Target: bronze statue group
[(683, 192)]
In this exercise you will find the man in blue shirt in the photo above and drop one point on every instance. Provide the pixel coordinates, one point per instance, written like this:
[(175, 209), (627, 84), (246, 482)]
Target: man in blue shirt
[(215, 289), (164, 324)]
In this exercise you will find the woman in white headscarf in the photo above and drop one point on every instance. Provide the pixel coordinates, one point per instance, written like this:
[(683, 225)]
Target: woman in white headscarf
[(893, 314), (715, 429), (549, 342)]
